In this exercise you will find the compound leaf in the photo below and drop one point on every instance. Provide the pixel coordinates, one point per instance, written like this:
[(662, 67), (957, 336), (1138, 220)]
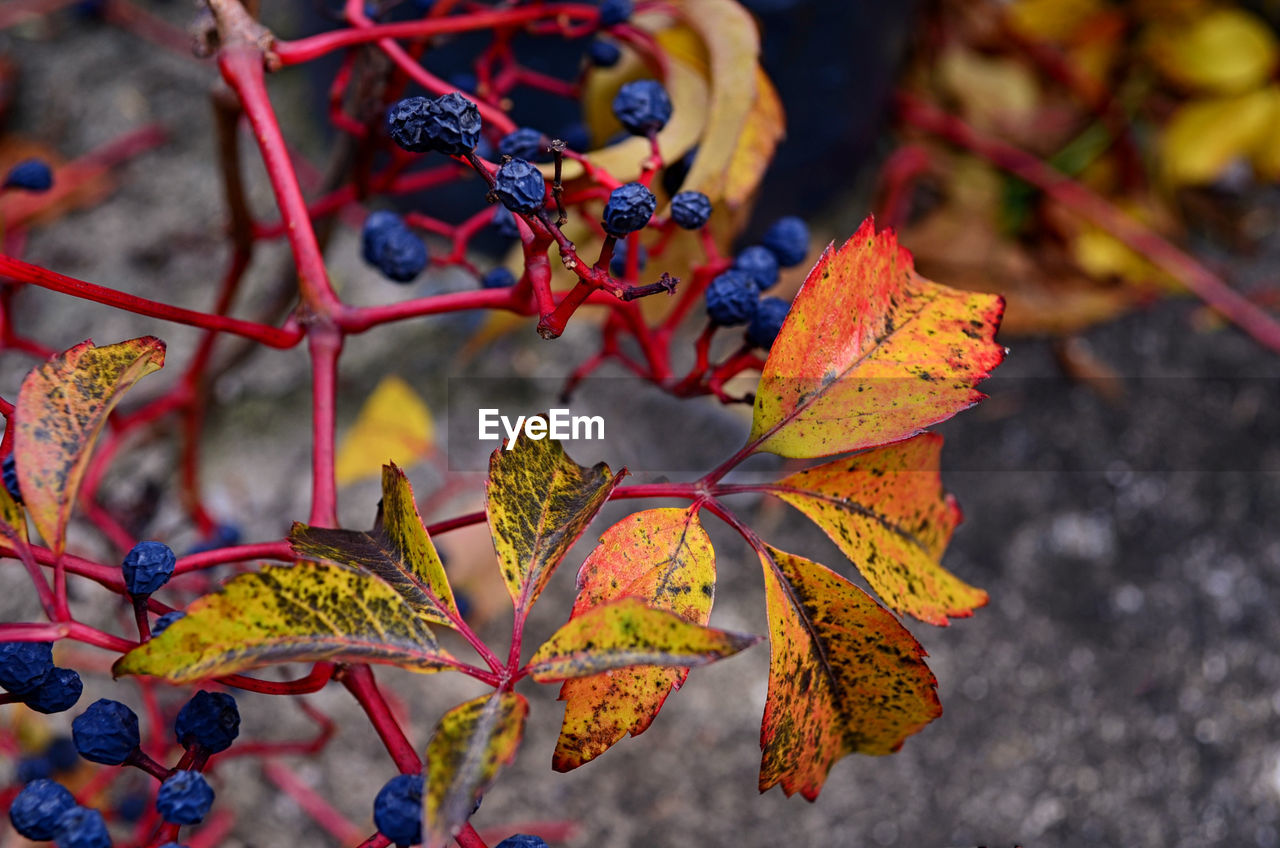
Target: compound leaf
[(62, 406), (538, 502), (298, 613), (397, 550), (626, 633), (663, 557), (871, 353), (844, 676), (470, 744), (885, 509), (393, 425)]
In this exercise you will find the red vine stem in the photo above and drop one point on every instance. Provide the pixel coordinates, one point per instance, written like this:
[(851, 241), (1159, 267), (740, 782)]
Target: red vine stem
[(1202, 282), (23, 272), (360, 683)]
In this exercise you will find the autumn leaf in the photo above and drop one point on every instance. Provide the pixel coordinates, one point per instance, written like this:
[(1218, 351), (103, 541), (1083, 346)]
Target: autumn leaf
[(62, 407), (886, 511), (1223, 51), (397, 550), (394, 425), (538, 502), (470, 744), (1204, 137), (12, 517), (844, 676), (664, 557), (625, 633), (871, 353), (765, 127), (299, 613)]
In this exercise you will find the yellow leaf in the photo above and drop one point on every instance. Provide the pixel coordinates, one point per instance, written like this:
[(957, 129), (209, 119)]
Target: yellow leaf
[(1224, 51), (394, 425), (994, 92), (62, 407), (765, 127), (299, 613), (1050, 20), (1205, 136)]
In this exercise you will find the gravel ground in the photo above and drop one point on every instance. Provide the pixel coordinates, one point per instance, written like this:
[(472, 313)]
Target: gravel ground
[(1121, 689)]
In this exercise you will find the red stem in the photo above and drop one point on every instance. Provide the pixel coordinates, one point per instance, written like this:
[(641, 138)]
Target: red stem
[(360, 682), (1202, 282)]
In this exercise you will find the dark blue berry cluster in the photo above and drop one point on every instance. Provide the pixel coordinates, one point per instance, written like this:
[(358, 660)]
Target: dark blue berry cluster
[(30, 175), (450, 124), (107, 732), (642, 107), (28, 673), (82, 827), (602, 53), (389, 245), (690, 209), (618, 264), (788, 240), (147, 567), (10, 467), (36, 810), (628, 209), (520, 187), (523, 143), (732, 298), (184, 798), (397, 809), (498, 278), (522, 840), (759, 264), (613, 12), (210, 720)]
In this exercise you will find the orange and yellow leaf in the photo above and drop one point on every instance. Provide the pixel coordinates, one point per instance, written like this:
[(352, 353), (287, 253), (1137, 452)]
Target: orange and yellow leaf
[(538, 503), (844, 676), (397, 550), (872, 353), (885, 509), (470, 744), (626, 633), (664, 557), (300, 613), (62, 407)]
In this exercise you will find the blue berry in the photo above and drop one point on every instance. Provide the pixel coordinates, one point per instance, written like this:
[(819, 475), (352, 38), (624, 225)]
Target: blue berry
[(788, 238), (388, 244), (732, 298), (25, 665), (172, 845), (106, 733), (498, 278), (524, 143), (62, 754), (522, 840), (618, 264), (690, 209), (520, 187), (59, 692), (147, 567), (464, 81), (642, 107), (10, 467), (629, 208), (603, 54), (223, 536), (767, 321), (163, 622), (30, 175), (33, 768), (209, 719), (397, 810), (760, 264), (576, 136), (450, 124), (36, 809), (505, 223), (615, 11), (184, 798), (81, 827), (131, 807)]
